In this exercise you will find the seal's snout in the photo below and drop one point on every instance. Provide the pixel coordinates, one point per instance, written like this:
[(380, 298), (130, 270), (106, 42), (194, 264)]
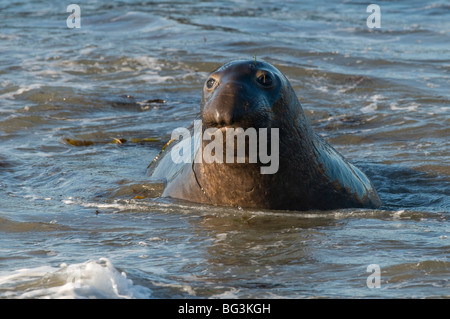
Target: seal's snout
[(228, 107)]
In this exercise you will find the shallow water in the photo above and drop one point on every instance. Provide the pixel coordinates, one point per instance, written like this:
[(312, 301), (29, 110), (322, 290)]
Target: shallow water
[(70, 223)]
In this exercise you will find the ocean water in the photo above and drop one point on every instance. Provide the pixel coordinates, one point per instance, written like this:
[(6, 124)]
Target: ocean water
[(79, 218)]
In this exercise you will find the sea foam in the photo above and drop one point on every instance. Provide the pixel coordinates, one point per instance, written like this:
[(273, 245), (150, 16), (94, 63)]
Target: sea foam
[(91, 279)]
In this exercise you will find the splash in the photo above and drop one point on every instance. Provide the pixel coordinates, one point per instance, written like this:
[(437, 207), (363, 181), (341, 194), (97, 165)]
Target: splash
[(91, 279)]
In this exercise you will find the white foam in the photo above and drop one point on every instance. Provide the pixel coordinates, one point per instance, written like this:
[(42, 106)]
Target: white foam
[(229, 294), (91, 279), (412, 107), (372, 107), (11, 95), (148, 62)]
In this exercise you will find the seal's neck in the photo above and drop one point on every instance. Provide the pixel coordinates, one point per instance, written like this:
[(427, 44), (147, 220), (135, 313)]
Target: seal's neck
[(233, 184), (258, 183)]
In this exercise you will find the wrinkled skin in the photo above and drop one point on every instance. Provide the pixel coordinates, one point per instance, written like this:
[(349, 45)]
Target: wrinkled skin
[(311, 173)]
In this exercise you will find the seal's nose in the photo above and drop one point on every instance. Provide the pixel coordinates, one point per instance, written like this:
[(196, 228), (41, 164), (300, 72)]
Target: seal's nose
[(228, 106)]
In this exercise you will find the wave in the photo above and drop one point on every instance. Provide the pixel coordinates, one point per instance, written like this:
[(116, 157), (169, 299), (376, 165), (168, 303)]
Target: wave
[(167, 206), (91, 279)]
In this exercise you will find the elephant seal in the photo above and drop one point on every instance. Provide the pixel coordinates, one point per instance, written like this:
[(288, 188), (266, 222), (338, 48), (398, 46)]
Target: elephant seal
[(309, 173)]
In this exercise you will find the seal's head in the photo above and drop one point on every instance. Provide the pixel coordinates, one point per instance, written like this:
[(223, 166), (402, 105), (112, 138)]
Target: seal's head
[(243, 94)]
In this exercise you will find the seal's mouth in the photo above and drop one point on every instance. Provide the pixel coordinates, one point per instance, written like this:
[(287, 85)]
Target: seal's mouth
[(244, 122), (224, 128), (228, 128)]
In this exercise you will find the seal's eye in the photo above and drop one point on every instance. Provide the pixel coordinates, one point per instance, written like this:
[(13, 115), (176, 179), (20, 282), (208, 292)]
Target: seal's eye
[(265, 79), (210, 83)]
